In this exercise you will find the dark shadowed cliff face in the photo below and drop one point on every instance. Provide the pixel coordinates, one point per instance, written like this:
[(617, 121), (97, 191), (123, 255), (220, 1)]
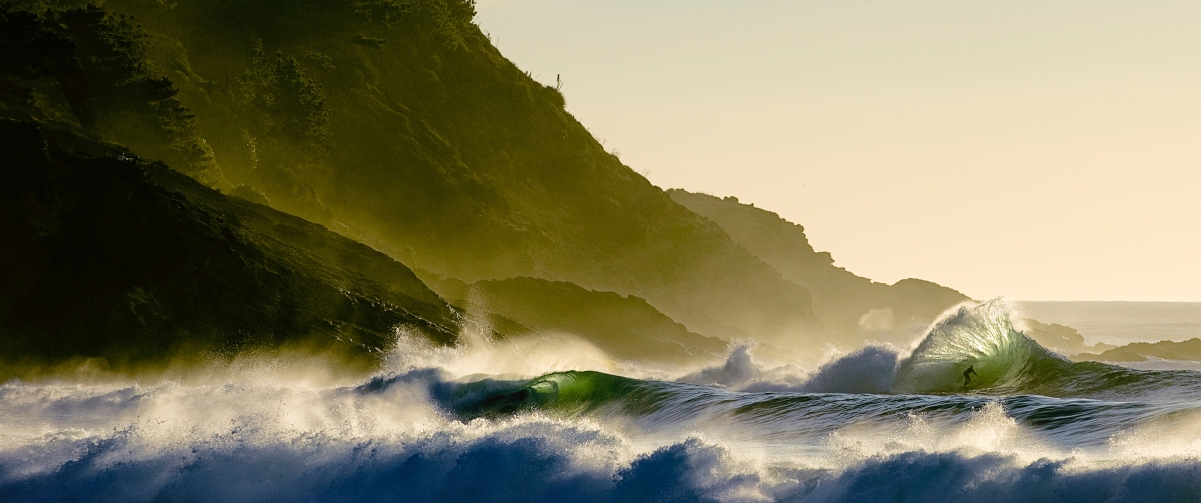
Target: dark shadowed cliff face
[(845, 302), (109, 257), (397, 123)]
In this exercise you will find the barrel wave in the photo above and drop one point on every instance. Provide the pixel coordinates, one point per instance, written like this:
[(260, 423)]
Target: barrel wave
[(1008, 362), (467, 424)]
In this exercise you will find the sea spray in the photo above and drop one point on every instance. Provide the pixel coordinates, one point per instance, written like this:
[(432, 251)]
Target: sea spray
[(261, 441), (465, 424), (980, 335)]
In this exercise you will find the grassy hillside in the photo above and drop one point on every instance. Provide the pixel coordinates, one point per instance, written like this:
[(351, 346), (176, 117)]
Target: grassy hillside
[(107, 256), (847, 303), (399, 124)]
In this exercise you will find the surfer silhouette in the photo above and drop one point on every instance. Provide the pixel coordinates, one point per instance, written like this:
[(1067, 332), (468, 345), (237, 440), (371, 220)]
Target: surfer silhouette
[(966, 377)]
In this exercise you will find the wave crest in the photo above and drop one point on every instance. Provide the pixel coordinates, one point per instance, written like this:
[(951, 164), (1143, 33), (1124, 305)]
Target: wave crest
[(981, 336)]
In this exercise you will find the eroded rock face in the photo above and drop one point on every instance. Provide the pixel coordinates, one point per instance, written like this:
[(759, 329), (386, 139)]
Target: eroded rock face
[(107, 256)]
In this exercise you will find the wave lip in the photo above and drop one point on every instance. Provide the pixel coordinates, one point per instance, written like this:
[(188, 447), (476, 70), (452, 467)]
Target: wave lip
[(1007, 362), (1010, 363), (982, 336), (588, 436)]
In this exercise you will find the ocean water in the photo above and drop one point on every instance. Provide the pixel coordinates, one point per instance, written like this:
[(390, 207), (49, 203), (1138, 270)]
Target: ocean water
[(1120, 323), (552, 420)]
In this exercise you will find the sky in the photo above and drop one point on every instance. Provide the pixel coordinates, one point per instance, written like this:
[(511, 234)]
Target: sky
[(1036, 150)]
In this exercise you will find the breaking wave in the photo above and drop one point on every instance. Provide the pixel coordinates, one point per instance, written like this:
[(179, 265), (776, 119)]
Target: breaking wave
[(876, 424), (981, 336)]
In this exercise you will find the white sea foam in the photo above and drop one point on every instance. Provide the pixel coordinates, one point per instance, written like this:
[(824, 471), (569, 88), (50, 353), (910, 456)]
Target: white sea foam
[(274, 430), (265, 441)]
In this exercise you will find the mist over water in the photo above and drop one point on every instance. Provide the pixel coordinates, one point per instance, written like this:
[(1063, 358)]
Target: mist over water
[(1121, 322), (553, 419)]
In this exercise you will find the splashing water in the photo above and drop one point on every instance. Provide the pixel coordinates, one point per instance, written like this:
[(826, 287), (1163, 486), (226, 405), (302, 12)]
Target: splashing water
[(537, 421)]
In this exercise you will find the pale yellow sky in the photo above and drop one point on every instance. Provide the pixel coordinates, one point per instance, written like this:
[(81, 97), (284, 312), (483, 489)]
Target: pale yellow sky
[(1039, 150)]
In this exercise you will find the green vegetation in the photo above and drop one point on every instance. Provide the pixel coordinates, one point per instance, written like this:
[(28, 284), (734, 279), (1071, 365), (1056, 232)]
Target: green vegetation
[(392, 122), (397, 123), (132, 262), (284, 121), (86, 68)]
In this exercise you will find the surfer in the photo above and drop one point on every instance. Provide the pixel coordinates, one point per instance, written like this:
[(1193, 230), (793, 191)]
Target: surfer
[(967, 378)]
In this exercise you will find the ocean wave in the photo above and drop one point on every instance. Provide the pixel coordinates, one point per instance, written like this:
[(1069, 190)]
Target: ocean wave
[(979, 335), (535, 458), (876, 424)]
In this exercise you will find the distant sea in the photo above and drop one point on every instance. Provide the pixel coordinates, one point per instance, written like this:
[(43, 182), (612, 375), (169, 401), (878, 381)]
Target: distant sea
[(1120, 323)]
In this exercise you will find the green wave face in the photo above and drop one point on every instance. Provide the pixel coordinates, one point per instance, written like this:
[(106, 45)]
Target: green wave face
[(1010, 363), (981, 336), (571, 392), (1007, 364)]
